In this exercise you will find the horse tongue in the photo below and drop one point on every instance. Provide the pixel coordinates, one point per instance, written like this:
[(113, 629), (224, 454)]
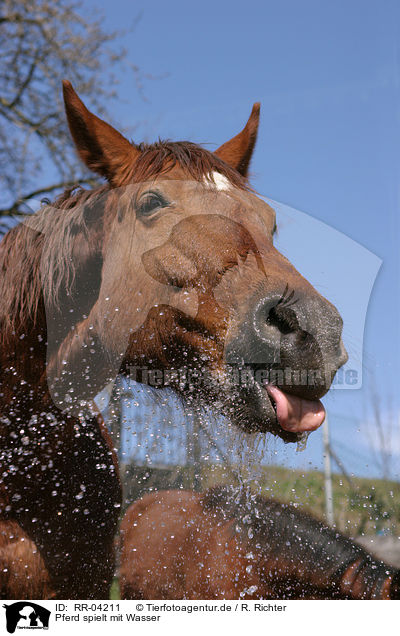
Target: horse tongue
[(296, 414)]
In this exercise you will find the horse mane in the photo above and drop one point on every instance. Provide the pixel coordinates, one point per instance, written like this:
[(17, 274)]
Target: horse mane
[(36, 255), (280, 530)]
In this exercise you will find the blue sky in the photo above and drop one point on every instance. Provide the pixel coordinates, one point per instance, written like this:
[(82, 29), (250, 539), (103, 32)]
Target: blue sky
[(327, 75)]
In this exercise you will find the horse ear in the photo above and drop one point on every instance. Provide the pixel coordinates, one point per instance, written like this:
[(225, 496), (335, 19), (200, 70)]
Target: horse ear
[(238, 150), (102, 148)]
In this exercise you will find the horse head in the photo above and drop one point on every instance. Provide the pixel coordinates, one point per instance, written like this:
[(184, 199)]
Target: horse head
[(188, 289)]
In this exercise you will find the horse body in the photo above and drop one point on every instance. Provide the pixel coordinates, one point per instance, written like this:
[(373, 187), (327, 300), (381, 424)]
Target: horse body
[(184, 545), (169, 266), (24, 572), (62, 485)]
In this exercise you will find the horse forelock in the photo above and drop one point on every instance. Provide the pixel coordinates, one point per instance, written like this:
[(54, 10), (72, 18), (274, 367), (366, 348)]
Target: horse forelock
[(195, 162)]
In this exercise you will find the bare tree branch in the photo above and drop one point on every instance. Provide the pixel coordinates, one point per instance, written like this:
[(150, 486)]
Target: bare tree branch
[(42, 42), (36, 194), (381, 420)]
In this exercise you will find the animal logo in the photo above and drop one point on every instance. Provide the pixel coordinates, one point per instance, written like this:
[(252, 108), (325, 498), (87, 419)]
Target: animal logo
[(26, 615)]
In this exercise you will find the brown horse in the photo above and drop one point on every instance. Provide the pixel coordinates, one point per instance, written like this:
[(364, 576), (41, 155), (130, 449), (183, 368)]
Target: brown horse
[(168, 272), (183, 545), (27, 577)]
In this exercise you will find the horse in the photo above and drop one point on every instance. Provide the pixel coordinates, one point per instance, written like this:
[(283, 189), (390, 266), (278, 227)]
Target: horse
[(27, 575), (165, 272), (226, 545)]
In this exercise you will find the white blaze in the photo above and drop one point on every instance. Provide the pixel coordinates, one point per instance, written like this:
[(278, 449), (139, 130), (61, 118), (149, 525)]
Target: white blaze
[(218, 181)]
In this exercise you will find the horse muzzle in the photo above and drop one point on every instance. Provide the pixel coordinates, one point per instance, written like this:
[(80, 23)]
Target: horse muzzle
[(288, 350)]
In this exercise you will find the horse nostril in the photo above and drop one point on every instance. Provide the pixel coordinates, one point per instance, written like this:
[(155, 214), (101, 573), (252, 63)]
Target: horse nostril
[(284, 319)]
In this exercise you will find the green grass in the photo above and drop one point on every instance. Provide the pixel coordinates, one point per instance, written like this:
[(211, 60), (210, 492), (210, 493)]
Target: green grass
[(114, 591)]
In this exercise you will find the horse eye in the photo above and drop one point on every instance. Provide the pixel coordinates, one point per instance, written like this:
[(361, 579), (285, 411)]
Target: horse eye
[(151, 204)]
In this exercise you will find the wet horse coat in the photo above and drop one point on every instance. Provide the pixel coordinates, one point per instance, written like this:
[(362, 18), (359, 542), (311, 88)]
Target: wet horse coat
[(221, 545), (169, 266)]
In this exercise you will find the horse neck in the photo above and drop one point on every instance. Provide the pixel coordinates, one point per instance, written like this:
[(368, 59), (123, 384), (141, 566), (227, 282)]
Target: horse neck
[(301, 550), (32, 428), (23, 368)]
